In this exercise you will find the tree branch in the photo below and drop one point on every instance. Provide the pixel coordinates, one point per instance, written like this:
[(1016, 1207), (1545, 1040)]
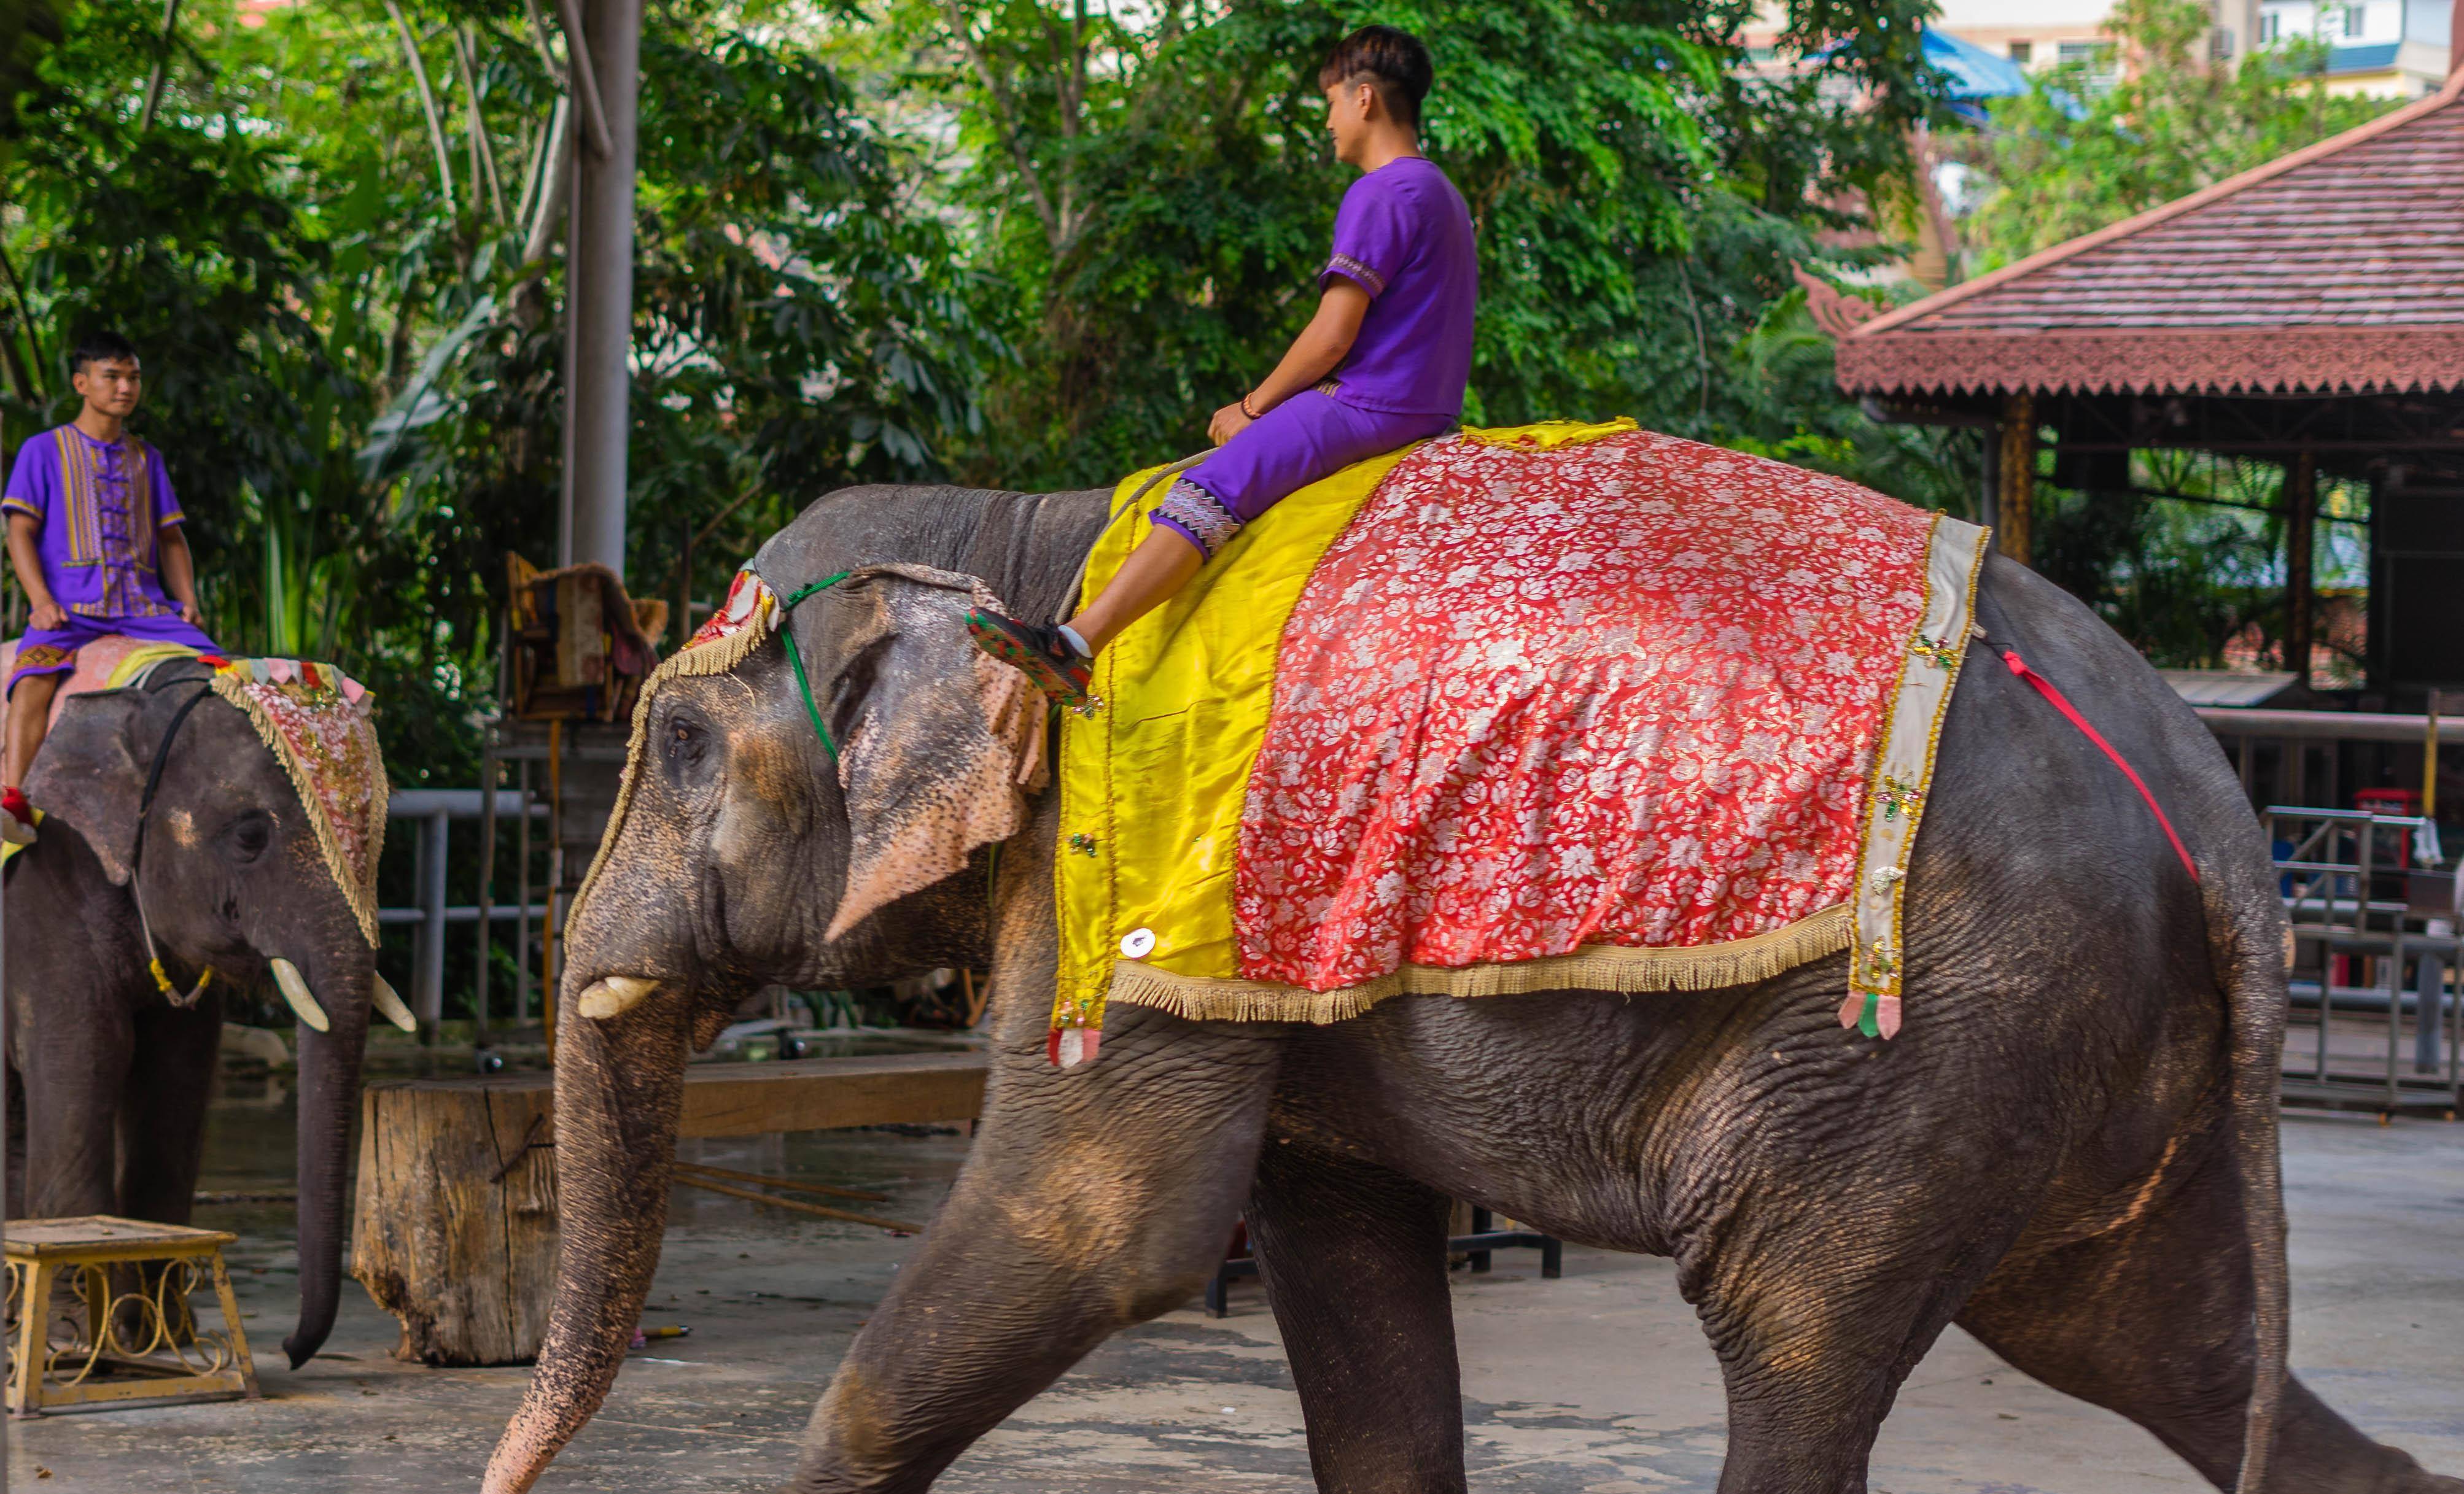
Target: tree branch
[(427, 102), (34, 340), (483, 154), (556, 71), (162, 66), (586, 80), (1004, 111)]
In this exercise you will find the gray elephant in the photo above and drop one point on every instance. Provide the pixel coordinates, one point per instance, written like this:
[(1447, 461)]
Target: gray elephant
[(108, 1075), (2070, 1151)]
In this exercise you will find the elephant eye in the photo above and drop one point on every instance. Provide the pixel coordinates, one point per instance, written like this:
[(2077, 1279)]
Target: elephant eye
[(685, 741), (248, 836)]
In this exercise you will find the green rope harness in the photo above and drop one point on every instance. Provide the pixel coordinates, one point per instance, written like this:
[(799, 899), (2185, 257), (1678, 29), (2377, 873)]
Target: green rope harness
[(796, 657)]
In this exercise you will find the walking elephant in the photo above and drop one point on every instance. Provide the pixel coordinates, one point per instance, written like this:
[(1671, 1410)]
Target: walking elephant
[(108, 1073), (2071, 1150)]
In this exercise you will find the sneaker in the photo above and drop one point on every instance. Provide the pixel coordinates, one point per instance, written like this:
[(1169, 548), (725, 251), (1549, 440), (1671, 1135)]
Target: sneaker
[(1039, 651), (16, 817)]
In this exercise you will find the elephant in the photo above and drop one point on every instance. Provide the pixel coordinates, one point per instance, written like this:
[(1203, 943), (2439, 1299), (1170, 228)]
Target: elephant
[(109, 1075), (2069, 1151)]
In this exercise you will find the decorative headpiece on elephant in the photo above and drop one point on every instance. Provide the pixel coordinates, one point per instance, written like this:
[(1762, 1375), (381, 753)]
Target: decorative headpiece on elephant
[(226, 816), (2075, 1158)]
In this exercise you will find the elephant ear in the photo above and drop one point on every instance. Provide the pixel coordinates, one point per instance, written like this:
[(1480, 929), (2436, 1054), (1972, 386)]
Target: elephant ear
[(942, 743), (90, 777)]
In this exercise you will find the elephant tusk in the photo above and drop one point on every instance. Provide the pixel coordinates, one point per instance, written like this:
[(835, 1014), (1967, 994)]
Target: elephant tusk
[(303, 1002), (613, 996), (390, 1005)]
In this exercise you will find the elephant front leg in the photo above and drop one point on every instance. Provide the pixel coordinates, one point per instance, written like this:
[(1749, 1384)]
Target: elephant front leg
[(1354, 1259), (1093, 1198), (163, 1110)]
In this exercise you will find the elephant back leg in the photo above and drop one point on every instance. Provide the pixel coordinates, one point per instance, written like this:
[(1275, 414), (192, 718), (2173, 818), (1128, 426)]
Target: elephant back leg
[(1354, 1259), (2152, 1318), (162, 1111), (1825, 1241)]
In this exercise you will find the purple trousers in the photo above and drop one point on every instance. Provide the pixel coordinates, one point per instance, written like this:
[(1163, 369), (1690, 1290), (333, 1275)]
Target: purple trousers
[(53, 651), (1309, 436)]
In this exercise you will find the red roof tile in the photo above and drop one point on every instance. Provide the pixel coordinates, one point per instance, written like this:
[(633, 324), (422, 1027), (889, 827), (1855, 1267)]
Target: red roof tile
[(2337, 267)]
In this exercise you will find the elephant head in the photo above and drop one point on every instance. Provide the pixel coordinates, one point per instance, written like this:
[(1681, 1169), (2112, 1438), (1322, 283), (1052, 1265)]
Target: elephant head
[(758, 841), (228, 868)]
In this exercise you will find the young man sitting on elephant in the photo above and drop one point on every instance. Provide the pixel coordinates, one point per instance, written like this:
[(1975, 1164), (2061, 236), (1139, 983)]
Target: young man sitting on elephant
[(1394, 330), (94, 536)]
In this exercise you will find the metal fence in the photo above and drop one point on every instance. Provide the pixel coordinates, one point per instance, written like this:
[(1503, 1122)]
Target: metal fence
[(433, 811)]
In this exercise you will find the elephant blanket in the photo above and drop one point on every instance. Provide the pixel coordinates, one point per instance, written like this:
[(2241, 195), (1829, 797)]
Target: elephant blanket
[(1557, 707)]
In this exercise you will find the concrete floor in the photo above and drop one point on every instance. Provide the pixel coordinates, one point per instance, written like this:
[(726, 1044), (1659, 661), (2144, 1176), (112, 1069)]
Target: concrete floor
[(1598, 1383)]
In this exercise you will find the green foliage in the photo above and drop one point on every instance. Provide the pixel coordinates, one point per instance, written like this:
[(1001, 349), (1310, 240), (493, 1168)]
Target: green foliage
[(2170, 126), (1157, 198)]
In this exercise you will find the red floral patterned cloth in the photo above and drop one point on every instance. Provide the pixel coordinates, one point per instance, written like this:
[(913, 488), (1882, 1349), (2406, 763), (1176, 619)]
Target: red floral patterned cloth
[(1624, 692), (316, 720)]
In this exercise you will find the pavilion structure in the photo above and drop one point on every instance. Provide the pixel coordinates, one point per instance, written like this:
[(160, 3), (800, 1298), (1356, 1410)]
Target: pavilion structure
[(2309, 313)]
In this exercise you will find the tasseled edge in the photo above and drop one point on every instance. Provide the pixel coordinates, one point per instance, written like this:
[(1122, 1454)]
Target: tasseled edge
[(1598, 968), (717, 656), (361, 896)]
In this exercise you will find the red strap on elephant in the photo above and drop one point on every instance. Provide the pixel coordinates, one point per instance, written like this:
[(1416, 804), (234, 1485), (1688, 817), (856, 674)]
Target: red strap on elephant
[(2070, 713)]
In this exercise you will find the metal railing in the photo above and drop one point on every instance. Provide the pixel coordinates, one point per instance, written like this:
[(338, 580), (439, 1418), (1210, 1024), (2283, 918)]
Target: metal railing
[(2336, 874), (433, 810)]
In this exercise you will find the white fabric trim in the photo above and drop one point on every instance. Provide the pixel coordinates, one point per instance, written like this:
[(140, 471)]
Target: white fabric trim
[(1903, 776)]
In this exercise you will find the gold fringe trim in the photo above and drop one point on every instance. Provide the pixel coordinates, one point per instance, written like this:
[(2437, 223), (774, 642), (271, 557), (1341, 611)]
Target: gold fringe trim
[(717, 656), (360, 894), (1600, 967)]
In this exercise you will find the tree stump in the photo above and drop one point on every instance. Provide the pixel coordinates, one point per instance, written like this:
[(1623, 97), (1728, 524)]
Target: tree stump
[(454, 1223)]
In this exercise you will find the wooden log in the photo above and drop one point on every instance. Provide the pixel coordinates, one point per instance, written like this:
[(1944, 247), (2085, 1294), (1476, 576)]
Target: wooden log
[(454, 1227), (454, 1231)]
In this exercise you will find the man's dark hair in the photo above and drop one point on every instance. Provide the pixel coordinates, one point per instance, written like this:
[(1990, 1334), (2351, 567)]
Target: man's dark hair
[(1393, 59), (100, 347)]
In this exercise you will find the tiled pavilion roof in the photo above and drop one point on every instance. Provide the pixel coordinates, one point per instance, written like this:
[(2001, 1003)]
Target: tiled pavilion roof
[(2339, 267)]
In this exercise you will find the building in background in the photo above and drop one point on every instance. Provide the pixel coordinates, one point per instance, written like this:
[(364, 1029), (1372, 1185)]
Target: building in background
[(2381, 49)]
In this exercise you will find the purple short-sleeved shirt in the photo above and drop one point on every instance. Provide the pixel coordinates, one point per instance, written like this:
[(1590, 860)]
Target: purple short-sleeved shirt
[(99, 503), (1404, 236)]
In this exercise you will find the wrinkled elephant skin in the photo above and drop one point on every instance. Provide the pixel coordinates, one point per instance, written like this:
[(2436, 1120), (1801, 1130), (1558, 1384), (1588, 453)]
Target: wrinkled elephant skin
[(2069, 1150), (114, 1078)]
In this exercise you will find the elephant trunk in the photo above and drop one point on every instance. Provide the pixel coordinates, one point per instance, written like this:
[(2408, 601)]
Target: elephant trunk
[(329, 1092), (619, 1092)]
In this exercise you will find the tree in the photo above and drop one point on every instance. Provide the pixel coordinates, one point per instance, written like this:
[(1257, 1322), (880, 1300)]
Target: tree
[(2070, 156)]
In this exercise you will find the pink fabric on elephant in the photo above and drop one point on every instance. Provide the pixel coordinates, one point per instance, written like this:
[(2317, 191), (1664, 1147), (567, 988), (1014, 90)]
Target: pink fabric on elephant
[(95, 664)]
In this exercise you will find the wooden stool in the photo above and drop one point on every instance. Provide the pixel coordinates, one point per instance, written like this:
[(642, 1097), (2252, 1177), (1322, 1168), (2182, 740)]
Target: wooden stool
[(119, 1346)]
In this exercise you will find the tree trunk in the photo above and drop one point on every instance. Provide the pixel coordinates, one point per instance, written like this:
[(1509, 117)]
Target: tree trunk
[(456, 1230)]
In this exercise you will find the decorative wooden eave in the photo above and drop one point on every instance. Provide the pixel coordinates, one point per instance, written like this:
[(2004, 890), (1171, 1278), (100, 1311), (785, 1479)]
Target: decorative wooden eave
[(2339, 267)]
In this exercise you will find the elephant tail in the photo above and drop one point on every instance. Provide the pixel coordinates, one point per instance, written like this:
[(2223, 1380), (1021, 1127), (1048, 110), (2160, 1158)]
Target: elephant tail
[(2252, 945)]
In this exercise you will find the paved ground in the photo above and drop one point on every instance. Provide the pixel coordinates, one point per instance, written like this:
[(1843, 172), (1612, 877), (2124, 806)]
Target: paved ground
[(1598, 1383)]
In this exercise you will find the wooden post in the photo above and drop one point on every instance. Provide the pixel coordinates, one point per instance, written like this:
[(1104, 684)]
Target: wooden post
[(2300, 527), (2014, 505), (454, 1231)]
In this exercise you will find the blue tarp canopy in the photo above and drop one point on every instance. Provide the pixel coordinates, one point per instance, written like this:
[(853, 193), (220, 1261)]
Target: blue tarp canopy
[(1975, 72)]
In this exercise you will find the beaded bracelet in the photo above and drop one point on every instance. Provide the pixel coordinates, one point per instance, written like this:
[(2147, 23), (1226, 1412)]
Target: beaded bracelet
[(1245, 410)]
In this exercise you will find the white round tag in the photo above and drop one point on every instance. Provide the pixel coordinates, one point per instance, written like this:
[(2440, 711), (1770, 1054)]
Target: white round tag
[(1138, 943)]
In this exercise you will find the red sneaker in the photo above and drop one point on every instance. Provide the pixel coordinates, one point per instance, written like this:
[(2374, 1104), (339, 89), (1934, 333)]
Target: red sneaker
[(17, 821)]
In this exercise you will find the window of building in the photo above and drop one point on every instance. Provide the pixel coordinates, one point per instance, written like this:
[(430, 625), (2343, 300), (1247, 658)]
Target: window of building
[(2271, 27), (2022, 51), (2357, 20), (2097, 55)]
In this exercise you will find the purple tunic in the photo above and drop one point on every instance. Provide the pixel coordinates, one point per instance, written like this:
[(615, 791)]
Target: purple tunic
[(1403, 236), (100, 504)]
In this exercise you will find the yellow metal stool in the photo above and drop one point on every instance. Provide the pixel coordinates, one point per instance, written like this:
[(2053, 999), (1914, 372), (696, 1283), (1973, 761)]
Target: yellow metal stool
[(122, 1330)]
